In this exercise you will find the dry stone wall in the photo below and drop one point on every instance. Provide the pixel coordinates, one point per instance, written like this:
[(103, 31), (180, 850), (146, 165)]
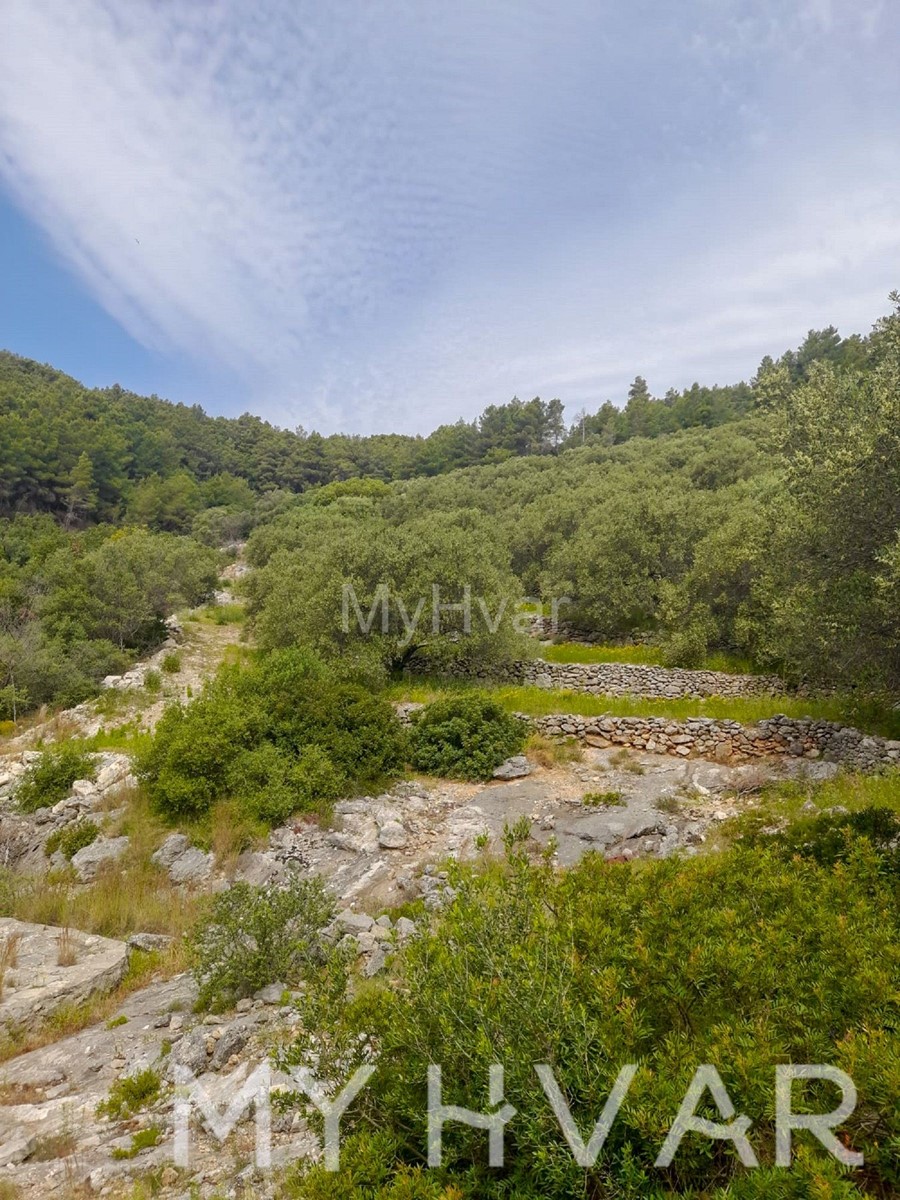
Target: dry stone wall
[(729, 741), (626, 679)]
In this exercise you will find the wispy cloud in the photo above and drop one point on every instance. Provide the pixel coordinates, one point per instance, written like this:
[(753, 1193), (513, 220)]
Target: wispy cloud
[(383, 217)]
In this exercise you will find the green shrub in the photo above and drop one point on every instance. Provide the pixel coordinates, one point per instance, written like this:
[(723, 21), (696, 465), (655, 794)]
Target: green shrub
[(830, 837), (252, 936), (71, 838), (272, 783), (741, 959), (602, 799), (171, 662), (153, 681), (280, 735), (50, 780), (144, 1139), (130, 1094), (465, 736)]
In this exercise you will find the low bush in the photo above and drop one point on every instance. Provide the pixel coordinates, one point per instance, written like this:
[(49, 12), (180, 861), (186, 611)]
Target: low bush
[(278, 736), (130, 1094), (252, 936), (602, 799), (465, 735), (50, 779), (71, 838), (171, 662), (830, 837), (741, 960)]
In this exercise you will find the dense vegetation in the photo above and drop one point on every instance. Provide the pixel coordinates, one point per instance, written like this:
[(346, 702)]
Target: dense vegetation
[(465, 736), (284, 734), (764, 523), (775, 537), (76, 605), (107, 454), (741, 960)]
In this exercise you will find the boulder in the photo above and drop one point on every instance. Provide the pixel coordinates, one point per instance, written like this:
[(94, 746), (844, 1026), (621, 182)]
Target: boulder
[(392, 836), (89, 859), (173, 847), (516, 767), (194, 866)]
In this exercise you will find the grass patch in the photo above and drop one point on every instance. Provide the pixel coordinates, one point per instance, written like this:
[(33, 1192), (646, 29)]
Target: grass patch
[(578, 652), (144, 1139), (128, 896), (642, 656), (748, 710), (227, 830), (602, 800), (223, 614), (781, 803), (553, 752), (130, 1094)]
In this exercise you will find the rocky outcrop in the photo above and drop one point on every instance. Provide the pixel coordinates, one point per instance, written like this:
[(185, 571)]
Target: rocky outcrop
[(729, 741), (52, 968)]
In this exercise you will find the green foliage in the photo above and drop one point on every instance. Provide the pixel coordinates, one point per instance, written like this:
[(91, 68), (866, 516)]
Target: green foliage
[(253, 936), (171, 662), (144, 1139), (71, 838), (280, 735), (741, 959), (602, 799), (465, 736), (829, 837), (76, 606), (345, 580), (50, 779), (130, 1094)]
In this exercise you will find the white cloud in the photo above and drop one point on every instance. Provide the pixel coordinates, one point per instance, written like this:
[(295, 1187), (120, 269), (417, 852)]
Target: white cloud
[(383, 219)]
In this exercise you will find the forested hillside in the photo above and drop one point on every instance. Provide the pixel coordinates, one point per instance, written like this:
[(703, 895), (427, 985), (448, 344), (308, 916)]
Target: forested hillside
[(776, 536), (758, 519), (107, 454)]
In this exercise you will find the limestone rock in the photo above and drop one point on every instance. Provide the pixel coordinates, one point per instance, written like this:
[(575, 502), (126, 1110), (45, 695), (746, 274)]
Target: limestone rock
[(89, 859), (516, 767), (392, 836)]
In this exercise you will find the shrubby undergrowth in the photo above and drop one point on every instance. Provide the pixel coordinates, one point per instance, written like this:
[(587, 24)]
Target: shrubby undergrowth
[(50, 779), (743, 960), (280, 735), (465, 736), (252, 936)]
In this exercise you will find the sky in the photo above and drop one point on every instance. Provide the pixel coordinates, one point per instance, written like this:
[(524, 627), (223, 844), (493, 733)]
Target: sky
[(383, 215)]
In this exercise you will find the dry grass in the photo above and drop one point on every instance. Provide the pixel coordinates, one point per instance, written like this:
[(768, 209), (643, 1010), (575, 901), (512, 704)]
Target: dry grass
[(12, 1094), (53, 1146), (66, 1020), (553, 752), (66, 949), (9, 956), (228, 832), (623, 760)]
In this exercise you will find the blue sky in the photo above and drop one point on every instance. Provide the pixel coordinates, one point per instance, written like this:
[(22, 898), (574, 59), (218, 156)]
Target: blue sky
[(385, 216)]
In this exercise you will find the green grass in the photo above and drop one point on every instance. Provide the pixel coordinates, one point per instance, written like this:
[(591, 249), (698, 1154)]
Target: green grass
[(780, 804), (223, 614), (641, 656), (542, 702)]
